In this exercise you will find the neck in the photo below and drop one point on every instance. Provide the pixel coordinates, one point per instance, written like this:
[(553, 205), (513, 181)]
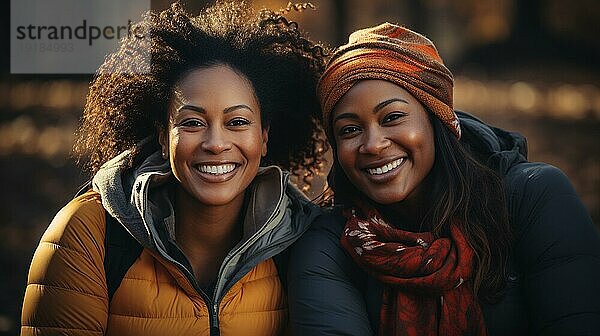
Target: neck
[(409, 213), (207, 227), (404, 216)]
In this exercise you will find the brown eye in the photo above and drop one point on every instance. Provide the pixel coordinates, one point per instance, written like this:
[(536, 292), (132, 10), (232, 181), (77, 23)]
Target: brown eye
[(392, 116), (348, 130), (238, 122), (191, 123)]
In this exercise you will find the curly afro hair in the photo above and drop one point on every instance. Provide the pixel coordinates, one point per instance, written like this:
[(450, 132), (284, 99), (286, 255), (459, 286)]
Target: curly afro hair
[(130, 94)]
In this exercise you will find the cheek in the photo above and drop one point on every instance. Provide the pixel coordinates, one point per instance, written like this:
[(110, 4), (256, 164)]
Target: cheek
[(181, 149), (422, 143), (177, 144), (415, 139), (346, 158), (420, 139), (341, 154), (253, 147)]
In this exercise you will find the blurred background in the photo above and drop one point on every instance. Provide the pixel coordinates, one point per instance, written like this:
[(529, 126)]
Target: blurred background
[(531, 66)]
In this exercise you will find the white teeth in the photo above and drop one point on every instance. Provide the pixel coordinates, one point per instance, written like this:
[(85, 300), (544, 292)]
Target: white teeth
[(217, 170), (386, 168)]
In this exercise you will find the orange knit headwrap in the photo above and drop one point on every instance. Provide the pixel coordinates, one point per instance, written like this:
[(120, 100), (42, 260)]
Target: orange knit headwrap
[(398, 55)]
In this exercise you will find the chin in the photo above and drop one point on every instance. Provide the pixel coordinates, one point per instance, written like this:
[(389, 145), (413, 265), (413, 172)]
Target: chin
[(216, 200), (212, 197), (386, 198)]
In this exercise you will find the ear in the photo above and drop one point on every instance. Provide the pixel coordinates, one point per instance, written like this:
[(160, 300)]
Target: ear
[(163, 140), (265, 140)]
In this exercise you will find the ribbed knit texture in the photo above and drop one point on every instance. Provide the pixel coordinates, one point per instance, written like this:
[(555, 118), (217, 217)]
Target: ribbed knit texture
[(395, 54)]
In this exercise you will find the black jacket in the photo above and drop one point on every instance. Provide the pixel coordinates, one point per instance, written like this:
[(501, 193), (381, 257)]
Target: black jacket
[(554, 285)]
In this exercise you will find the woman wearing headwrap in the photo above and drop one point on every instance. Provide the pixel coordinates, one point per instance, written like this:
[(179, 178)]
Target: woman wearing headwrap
[(441, 225)]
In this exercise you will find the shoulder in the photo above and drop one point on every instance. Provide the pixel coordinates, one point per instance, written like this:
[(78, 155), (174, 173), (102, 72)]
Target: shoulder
[(74, 237), (536, 178), (547, 216), (535, 189), (66, 275), (325, 285), (324, 232), (556, 250), (73, 242), (77, 229), (81, 221), (327, 228), (302, 209), (319, 249)]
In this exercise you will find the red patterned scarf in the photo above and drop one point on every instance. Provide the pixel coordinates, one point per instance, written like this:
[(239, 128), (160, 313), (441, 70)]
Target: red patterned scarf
[(427, 281)]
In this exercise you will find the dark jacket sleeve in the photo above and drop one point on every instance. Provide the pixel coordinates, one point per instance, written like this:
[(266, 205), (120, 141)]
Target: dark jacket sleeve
[(322, 284), (557, 252)]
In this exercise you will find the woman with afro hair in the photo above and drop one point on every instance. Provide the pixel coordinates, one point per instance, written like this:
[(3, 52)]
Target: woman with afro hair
[(187, 131)]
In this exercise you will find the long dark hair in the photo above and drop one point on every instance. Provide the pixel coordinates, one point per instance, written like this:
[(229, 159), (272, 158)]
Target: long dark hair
[(125, 105), (464, 191)]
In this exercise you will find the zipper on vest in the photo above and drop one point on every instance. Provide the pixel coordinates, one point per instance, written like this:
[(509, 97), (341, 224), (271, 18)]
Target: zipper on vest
[(219, 293), (211, 305), (214, 324)]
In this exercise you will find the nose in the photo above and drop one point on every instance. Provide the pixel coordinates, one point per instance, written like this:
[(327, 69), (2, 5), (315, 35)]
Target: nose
[(374, 143), (216, 141)]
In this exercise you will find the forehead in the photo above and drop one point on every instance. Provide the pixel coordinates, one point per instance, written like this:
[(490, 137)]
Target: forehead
[(215, 83), (372, 92)]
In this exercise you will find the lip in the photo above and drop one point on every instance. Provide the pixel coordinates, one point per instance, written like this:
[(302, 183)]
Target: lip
[(212, 178), (381, 162), (384, 177)]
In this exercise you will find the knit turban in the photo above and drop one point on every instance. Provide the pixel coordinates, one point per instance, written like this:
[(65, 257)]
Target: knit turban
[(395, 54)]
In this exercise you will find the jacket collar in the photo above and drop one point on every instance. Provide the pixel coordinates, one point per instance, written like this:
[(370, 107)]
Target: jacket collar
[(138, 198)]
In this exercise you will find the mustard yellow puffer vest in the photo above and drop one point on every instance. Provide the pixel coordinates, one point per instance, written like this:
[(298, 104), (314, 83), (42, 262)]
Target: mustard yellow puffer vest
[(67, 294)]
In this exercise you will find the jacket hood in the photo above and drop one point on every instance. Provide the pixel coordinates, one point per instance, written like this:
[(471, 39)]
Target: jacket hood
[(499, 148), (138, 198), (115, 183)]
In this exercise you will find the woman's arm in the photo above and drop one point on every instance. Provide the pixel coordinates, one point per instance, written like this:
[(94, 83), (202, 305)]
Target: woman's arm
[(323, 295), (558, 252), (66, 288)]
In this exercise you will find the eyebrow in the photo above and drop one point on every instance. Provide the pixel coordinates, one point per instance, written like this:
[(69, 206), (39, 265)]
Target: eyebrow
[(376, 109), (203, 111), (346, 115), (388, 102), (192, 108), (237, 107)]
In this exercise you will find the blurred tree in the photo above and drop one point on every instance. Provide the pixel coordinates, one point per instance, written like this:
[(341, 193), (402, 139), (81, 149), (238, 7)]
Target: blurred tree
[(533, 46), (340, 21)]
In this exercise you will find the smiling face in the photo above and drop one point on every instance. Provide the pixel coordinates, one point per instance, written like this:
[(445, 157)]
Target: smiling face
[(214, 139), (384, 140)]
